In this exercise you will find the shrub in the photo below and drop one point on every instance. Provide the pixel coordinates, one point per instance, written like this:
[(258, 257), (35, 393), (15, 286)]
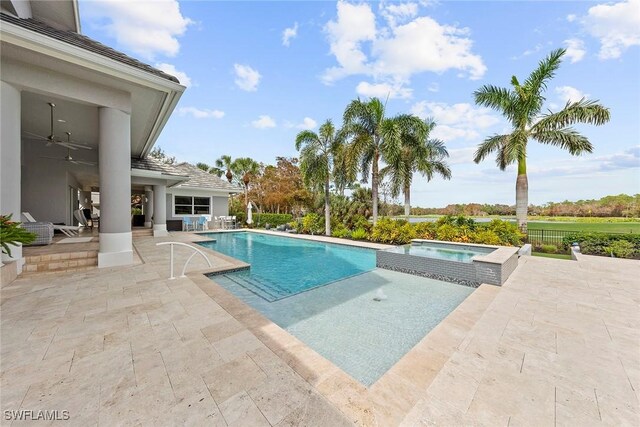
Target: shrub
[(426, 230), (549, 249), (312, 223), (446, 232), (622, 249), (260, 219), (359, 234), (600, 243), (486, 237), (390, 231), (507, 231), (339, 230)]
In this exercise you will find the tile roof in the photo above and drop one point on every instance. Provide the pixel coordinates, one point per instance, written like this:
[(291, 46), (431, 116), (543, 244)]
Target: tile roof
[(201, 179), (85, 43), (151, 164)]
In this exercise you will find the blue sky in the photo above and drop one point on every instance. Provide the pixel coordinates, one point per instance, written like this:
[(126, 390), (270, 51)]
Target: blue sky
[(259, 72)]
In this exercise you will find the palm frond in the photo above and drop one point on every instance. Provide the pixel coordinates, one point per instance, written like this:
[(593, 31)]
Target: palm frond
[(537, 80), (566, 138), (492, 144), (582, 111)]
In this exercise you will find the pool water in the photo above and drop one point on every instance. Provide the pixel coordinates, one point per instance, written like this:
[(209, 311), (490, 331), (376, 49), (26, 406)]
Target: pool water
[(330, 303), (440, 252), (284, 266)]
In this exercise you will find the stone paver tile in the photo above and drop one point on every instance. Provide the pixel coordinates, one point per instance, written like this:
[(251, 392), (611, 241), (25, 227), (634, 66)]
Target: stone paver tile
[(239, 410), (459, 388), (315, 412), (223, 329), (237, 345), (279, 396), (230, 378), (575, 407), (350, 397)]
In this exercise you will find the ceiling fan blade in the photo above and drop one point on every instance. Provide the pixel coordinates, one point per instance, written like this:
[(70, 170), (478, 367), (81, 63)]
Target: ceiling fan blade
[(54, 158), (81, 162), (75, 145), (35, 136), (67, 145)]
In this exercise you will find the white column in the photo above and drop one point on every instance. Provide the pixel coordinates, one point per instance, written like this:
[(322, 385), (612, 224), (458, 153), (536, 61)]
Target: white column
[(114, 159), (148, 206), (10, 174), (160, 211)]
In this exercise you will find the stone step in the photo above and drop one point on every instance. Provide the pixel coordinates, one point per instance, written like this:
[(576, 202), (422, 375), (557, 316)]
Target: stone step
[(140, 232), (60, 262)]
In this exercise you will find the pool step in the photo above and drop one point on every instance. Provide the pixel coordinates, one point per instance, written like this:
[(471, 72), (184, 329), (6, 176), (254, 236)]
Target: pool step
[(263, 289)]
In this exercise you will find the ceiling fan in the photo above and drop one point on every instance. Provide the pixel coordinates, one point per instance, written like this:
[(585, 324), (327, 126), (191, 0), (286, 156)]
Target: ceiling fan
[(52, 139), (70, 159)]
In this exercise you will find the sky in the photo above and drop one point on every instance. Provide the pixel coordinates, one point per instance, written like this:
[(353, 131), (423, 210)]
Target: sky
[(257, 73)]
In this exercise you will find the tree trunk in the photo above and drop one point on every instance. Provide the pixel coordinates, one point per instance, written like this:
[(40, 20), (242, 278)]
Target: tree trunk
[(407, 201), (522, 195), (374, 186), (327, 212)]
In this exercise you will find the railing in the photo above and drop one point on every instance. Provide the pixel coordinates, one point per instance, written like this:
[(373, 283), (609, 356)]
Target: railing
[(550, 237), (196, 251)]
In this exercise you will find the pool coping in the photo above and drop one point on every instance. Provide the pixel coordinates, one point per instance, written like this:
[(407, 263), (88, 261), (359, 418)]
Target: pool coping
[(392, 396)]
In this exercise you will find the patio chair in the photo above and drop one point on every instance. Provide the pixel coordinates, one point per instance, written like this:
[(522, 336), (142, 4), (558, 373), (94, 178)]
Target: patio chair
[(202, 223), (216, 222), (187, 224), (67, 230)]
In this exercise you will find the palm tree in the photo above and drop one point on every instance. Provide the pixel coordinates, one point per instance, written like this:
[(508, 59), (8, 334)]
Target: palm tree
[(203, 166), (419, 154), (224, 162), (522, 105), (374, 137), (245, 168), (317, 157)]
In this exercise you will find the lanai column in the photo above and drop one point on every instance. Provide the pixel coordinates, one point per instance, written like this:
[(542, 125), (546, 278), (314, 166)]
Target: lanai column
[(10, 173), (159, 211), (148, 206), (115, 188)]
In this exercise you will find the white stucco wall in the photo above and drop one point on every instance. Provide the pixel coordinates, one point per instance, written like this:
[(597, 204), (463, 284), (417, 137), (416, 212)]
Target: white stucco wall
[(219, 203)]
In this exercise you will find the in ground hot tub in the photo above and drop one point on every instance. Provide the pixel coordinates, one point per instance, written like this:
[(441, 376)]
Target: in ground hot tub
[(454, 262)]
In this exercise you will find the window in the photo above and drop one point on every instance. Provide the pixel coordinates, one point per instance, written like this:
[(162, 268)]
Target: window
[(191, 205)]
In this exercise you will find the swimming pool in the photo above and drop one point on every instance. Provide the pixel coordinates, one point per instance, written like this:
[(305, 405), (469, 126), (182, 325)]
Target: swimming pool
[(343, 319), (284, 266), (440, 251)]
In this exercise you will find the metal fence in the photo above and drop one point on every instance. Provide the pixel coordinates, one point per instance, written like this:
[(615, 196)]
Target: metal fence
[(547, 237), (551, 237)]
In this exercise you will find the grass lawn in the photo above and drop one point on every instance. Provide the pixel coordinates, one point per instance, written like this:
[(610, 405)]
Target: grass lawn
[(611, 227), (557, 256)]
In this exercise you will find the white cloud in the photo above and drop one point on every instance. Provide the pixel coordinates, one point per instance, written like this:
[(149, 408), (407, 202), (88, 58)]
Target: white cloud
[(307, 123), (382, 90), (396, 52), (288, 34), (458, 156), (263, 122), (246, 77), (575, 50), (148, 28), (200, 113), (396, 13), (456, 121), (182, 77), (571, 17), (617, 26), (536, 48), (433, 87), (569, 94)]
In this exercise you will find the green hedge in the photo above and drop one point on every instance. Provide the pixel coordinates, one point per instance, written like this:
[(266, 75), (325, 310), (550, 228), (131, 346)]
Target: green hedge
[(272, 219), (605, 244)]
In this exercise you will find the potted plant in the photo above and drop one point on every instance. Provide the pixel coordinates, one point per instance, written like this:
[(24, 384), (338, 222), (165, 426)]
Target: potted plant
[(11, 233)]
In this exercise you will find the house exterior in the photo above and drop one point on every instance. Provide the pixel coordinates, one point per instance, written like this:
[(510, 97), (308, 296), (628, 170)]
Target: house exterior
[(114, 107)]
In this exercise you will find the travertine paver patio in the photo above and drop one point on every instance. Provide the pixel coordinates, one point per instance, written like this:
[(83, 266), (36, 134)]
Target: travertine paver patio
[(558, 344)]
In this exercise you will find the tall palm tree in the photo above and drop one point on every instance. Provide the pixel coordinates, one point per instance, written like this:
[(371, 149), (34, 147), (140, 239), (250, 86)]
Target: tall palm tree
[(224, 163), (245, 168), (419, 154), (522, 106), (374, 138), (203, 166), (317, 157)]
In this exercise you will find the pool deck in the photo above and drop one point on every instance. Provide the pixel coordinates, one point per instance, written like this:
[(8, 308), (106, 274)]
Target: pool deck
[(558, 343)]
